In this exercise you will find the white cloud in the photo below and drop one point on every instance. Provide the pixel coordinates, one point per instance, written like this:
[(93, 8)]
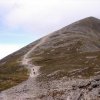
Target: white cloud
[(41, 16), (6, 49)]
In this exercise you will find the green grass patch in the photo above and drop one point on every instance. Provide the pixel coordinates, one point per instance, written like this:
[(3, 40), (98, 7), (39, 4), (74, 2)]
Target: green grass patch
[(12, 73)]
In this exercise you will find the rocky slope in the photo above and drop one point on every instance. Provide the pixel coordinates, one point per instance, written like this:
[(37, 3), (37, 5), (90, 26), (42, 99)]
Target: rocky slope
[(68, 62)]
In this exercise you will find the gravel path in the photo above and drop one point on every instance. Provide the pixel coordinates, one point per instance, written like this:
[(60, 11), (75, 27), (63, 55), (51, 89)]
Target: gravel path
[(29, 89), (34, 70)]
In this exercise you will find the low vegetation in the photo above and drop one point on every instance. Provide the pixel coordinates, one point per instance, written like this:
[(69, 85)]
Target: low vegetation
[(11, 72), (58, 64)]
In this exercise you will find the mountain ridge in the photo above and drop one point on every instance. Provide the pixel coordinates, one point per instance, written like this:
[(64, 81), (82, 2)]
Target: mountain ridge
[(69, 65)]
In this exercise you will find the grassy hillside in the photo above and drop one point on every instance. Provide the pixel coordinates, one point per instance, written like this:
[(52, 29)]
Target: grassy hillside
[(57, 65), (11, 71), (73, 51)]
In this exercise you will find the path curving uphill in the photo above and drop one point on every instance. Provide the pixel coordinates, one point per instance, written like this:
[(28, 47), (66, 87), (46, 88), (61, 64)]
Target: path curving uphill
[(34, 70), (26, 59), (28, 89)]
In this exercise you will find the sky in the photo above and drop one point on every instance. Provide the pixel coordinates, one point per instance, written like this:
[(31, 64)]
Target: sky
[(24, 21)]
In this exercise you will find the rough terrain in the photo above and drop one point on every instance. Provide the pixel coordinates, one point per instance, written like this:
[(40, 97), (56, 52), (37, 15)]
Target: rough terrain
[(64, 65)]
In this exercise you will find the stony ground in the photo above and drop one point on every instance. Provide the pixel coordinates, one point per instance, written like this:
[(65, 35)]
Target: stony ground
[(63, 89)]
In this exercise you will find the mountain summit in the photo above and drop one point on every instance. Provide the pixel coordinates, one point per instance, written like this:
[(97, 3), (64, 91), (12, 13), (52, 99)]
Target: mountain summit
[(64, 65)]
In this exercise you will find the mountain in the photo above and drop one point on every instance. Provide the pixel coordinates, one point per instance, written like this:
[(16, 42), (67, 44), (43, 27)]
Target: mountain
[(64, 65)]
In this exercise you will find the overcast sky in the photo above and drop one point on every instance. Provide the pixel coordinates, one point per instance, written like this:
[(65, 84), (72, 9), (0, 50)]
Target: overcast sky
[(24, 21)]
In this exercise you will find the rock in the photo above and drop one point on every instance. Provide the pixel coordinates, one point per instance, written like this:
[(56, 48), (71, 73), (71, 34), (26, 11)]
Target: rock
[(84, 84), (97, 78), (95, 84)]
